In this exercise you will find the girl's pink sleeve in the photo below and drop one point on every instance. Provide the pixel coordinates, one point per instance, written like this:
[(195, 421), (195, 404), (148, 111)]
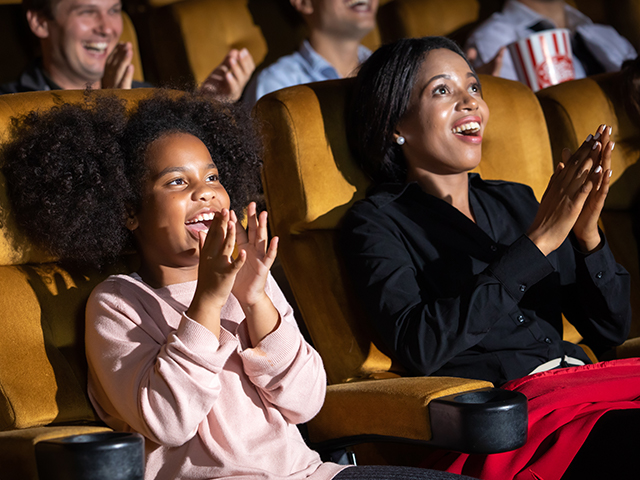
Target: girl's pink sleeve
[(159, 383), (286, 370)]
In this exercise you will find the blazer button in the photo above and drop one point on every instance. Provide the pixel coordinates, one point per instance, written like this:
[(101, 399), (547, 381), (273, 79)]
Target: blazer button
[(599, 275), (523, 288), (494, 248), (521, 318), (547, 340)]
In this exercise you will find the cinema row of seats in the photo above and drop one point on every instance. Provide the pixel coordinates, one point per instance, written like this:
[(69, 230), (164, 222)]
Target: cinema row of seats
[(179, 42), (310, 180)]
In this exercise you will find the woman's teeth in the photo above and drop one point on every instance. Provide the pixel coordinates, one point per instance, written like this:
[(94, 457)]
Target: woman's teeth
[(201, 218), (467, 128)]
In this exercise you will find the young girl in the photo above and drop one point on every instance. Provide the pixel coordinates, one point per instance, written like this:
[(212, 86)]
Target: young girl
[(198, 350)]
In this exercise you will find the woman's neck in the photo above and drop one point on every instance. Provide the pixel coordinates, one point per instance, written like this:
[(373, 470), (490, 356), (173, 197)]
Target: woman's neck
[(453, 189)]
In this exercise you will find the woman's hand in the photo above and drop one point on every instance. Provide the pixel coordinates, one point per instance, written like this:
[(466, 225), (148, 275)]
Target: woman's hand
[(217, 271), (586, 227), (563, 201), (262, 316)]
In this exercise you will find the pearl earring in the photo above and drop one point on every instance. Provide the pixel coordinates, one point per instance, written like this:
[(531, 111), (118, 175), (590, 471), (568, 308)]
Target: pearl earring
[(400, 140)]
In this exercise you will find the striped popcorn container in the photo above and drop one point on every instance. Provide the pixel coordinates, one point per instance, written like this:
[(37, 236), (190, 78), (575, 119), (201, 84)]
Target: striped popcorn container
[(544, 58)]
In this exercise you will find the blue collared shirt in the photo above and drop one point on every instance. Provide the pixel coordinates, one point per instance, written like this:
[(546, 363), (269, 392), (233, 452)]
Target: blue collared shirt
[(304, 66), (515, 21)]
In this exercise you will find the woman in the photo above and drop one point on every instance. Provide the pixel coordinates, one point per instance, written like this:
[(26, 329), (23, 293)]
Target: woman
[(467, 277)]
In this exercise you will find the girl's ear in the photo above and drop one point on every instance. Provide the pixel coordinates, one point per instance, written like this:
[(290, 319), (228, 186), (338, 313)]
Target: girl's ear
[(132, 222)]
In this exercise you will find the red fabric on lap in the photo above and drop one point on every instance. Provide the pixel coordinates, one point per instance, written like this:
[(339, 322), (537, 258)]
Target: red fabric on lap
[(564, 405)]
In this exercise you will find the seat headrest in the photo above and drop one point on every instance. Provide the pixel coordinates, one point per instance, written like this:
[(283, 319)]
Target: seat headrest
[(15, 249)]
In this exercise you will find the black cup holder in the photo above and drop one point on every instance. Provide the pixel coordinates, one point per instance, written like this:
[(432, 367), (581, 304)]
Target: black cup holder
[(481, 421), (94, 456)]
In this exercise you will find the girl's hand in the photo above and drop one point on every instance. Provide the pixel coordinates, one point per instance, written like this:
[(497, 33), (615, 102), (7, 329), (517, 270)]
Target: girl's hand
[(564, 199), (217, 271), (252, 278), (586, 227), (262, 316)]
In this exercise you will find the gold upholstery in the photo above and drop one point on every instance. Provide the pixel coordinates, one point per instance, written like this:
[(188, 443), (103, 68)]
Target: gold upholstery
[(310, 180), (575, 109), (190, 38), (19, 45), (42, 363), (419, 18)]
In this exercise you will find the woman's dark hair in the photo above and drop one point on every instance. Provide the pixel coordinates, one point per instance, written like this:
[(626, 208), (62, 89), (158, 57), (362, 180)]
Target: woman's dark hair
[(74, 173), (381, 97)]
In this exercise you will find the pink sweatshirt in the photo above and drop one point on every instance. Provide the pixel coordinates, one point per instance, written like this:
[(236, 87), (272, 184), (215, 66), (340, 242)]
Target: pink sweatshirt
[(208, 408)]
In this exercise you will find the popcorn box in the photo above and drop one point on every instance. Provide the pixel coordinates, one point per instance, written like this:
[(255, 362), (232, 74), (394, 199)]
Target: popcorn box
[(544, 58)]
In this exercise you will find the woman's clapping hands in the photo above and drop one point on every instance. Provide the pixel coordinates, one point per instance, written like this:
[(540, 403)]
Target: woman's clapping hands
[(575, 196)]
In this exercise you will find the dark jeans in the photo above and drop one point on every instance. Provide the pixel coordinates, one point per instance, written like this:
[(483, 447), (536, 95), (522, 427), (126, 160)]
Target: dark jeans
[(374, 472)]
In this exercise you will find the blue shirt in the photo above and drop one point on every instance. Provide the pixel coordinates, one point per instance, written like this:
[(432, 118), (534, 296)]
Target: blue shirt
[(304, 66)]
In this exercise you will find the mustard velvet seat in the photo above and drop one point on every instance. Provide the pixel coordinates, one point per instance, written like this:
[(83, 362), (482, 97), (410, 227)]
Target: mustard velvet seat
[(188, 39), (575, 109), (43, 370), (19, 45), (420, 18), (310, 180)]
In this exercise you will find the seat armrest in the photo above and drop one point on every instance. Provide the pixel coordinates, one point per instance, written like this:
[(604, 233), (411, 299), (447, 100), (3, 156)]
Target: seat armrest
[(629, 349), (17, 448), (399, 409)]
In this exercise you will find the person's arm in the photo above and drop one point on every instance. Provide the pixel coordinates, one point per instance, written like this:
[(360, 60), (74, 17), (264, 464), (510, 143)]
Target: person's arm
[(285, 368), (596, 296), (227, 80), (143, 375), (279, 362)]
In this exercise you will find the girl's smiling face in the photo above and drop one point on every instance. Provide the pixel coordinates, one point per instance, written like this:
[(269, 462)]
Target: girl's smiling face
[(444, 123), (181, 193)]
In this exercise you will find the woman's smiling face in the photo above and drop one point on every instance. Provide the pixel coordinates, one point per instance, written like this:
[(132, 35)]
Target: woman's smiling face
[(446, 118)]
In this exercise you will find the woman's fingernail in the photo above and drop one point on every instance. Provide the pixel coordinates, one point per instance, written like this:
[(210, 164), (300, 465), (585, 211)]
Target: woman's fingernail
[(589, 138), (597, 135), (598, 169), (610, 130), (595, 145), (610, 172), (613, 145)]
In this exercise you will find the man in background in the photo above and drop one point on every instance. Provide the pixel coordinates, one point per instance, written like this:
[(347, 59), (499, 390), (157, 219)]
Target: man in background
[(80, 46), (332, 50)]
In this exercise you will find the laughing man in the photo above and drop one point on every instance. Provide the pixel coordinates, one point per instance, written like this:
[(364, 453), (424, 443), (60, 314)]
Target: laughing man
[(80, 47)]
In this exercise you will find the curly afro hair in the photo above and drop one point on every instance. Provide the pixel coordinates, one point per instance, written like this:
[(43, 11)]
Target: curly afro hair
[(225, 129), (65, 179), (75, 173)]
